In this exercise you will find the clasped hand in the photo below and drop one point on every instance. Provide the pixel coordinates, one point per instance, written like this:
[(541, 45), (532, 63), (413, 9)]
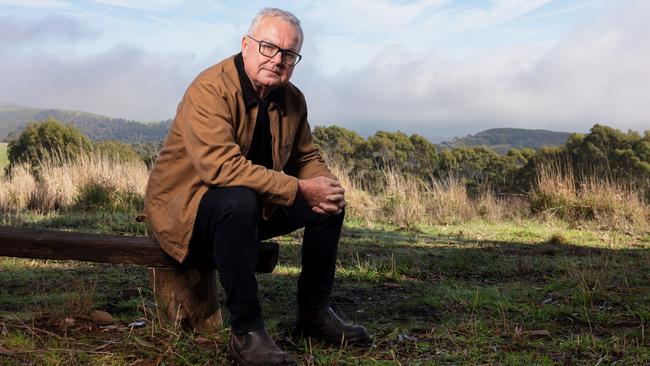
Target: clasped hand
[(325, 195)]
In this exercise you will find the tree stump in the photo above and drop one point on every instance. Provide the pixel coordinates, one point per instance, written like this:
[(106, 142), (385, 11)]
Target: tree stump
[(187, 297)]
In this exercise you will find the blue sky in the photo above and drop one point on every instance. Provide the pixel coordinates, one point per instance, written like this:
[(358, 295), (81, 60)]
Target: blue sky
[(439, 68)]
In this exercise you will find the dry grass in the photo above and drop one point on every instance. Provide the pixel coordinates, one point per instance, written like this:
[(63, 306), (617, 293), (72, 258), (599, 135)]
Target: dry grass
[(449, 202), (16, 189), (360, 203), (57, 183), (99, 182), (602, 201), (406, 201), (403, 200)]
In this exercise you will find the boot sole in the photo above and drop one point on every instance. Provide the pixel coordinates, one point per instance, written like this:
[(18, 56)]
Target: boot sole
[(239, 360)]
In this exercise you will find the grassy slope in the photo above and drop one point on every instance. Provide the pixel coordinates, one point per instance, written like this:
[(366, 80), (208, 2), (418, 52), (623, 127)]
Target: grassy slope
[(3, 155), (477, 293)]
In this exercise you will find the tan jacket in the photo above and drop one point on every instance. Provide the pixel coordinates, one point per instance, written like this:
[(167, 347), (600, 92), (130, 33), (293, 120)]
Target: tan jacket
[(207, 144)]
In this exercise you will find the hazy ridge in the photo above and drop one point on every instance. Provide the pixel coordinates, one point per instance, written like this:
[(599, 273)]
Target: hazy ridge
[(503, 139), (99, 127), (13, 119)]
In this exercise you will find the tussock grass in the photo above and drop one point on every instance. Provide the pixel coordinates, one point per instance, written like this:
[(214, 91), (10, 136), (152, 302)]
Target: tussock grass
[(16, 189), (96, 182), (360, 203), (4, 161), (592, 200), (91, 181)]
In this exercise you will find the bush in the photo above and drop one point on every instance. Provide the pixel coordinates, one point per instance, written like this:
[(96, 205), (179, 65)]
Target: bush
[(42, 140), (96, 195), (116, 150)]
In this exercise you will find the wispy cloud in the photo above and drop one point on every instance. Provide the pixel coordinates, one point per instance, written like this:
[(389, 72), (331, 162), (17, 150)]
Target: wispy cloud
[(141, 4), (36, 3), (369, 27), (437, 67), (597, 73), (121, 82), (23, 32)]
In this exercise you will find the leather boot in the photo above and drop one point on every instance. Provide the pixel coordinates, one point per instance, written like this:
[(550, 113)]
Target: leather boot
[(325, 325), (257, 348)]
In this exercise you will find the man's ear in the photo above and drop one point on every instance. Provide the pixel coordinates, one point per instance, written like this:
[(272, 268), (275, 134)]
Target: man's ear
[(244, 44)]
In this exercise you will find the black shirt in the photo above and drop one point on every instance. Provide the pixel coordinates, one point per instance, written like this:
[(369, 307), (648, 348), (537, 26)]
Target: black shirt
[(260, 151)]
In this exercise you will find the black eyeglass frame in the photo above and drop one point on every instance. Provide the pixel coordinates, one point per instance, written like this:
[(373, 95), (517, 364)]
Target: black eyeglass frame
[(282, 51)]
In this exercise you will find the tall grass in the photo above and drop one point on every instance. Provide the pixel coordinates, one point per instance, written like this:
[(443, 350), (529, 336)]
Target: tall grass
[(407, 201), (610, 204), (89, 181), (16, 188), (96, 182), (4, 161)]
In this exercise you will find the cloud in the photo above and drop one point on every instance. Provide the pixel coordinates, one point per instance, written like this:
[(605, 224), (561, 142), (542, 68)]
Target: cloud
[(36, 3), (141, 4), (417, 26), (121, 82), (44, 64), (596, 74), (24, 32)]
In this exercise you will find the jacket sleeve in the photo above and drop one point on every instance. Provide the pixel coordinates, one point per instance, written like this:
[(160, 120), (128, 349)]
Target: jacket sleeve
[(205, 122), (305, 161)]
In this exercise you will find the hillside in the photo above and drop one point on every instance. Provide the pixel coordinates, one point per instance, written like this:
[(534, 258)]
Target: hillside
[(13, 117), (503, 139), (98, 127)]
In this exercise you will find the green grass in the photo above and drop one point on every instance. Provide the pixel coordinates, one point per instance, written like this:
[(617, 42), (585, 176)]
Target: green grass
[(476, 293), (3, 155)]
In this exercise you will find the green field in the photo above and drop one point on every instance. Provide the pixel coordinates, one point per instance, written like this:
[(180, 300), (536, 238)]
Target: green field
[(3, 155), (515, 293)]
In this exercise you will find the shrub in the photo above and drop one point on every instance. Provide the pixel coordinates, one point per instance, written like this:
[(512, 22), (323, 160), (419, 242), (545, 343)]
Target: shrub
[(103, 196), (42, 140), (116, 150)]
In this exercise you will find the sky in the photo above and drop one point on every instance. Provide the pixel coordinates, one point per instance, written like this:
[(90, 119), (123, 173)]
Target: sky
[(439, 68)]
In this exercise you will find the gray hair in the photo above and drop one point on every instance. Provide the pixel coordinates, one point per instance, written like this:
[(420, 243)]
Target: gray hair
[(276, 13)]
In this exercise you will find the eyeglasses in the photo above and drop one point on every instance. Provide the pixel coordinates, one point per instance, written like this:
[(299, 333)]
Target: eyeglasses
[(270, 50)]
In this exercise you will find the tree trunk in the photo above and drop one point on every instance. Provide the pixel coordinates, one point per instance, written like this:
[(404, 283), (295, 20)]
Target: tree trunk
[(187, 297)]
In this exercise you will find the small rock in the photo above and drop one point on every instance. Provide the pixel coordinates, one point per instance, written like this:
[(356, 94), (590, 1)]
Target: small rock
[(101, 317), (68, 322)]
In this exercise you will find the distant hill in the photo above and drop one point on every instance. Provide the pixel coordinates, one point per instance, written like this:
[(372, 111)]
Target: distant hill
[(13, 119), (503, 139)]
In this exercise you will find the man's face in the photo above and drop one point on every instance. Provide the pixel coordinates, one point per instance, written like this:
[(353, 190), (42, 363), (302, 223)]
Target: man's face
[(267, 73)]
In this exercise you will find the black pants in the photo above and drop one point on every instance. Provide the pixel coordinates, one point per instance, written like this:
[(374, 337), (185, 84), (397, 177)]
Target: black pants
[(228, 227)]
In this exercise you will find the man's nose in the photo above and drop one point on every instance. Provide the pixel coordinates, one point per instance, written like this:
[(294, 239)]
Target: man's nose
[(277, 59)]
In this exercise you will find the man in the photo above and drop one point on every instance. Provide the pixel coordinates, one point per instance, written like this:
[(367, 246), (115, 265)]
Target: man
[(239, 166)]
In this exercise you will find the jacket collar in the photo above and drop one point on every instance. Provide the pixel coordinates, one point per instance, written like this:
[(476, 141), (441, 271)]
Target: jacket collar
[(275, 97)]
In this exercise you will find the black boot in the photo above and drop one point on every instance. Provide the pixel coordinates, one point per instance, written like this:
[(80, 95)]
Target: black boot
[(256, 348), (324, 324)]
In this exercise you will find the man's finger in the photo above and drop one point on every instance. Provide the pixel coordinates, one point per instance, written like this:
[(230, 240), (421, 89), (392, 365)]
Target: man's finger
[(338, 190), (334, 183), (335, 198), (319, 210), (329, 208)]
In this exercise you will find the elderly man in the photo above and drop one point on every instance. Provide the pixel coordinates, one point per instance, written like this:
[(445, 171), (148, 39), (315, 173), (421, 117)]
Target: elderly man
[(239, 166)]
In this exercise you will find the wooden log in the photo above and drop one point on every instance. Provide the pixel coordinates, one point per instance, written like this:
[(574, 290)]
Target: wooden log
[(187, 297), (53, 244)]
